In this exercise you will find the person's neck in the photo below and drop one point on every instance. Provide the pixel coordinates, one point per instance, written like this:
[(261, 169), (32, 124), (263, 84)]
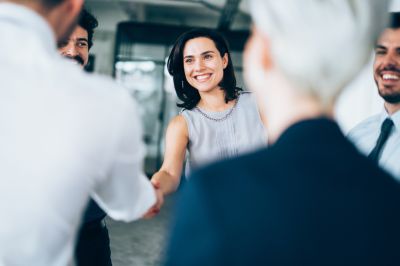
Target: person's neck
[(282, 116), (392, 108), (49, 15), (214, 101), (32, 5)]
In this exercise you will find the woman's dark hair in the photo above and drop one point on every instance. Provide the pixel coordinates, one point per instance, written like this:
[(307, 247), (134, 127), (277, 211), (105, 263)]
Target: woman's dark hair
[(189, 96)]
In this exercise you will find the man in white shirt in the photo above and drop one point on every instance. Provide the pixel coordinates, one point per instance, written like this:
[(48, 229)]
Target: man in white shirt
[(93, 242), (64, 136), (379, 136)]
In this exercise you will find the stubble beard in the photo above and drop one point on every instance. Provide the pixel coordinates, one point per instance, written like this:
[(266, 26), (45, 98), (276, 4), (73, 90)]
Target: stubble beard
[(391, 97)]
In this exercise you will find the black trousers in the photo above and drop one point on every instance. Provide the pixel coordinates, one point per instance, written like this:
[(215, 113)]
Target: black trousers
[(93, 246)]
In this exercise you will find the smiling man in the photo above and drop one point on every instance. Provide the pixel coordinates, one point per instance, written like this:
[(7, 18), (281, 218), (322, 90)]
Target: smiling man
[(65, 136), (379, 135), (78, 44)]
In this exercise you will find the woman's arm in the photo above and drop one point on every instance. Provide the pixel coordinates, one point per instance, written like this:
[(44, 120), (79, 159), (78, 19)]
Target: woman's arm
[(167, 179), (176, 140)]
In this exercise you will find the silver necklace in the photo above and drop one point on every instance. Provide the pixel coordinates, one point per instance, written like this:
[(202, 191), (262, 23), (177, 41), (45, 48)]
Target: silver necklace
[(218, 119)]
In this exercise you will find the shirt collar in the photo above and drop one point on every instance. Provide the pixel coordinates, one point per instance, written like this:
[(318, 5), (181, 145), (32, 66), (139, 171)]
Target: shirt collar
[(29, 19), (316, 130)]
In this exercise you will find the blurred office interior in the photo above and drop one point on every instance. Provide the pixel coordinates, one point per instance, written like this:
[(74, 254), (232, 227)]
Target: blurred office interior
[(134, 39), (132, 43)]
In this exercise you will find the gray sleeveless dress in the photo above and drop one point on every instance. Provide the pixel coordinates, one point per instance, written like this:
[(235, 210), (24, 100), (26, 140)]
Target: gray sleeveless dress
[(219, 135)]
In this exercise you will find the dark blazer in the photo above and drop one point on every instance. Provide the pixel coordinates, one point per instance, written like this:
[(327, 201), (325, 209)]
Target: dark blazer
[(309, 199)]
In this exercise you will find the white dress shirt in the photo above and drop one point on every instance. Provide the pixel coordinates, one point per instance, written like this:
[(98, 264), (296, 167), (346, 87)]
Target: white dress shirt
[(64, 135), (365, 135)]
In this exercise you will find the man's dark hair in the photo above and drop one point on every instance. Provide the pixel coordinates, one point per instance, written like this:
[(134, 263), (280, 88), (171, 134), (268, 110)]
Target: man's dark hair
[(185, 92), (89, 23), (394, 21)]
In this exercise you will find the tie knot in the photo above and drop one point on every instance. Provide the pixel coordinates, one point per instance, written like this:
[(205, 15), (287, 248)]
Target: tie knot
[(387, 125)]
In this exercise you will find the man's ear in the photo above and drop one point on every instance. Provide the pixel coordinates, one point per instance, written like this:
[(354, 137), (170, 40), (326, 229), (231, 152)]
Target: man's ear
[(73, 6), (261, 42), (64, 17), (257, 62)]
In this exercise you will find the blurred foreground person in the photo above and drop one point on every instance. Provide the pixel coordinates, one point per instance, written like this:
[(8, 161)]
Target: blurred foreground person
[(93, 243), (64, 135), (379, 136), (311, 198)]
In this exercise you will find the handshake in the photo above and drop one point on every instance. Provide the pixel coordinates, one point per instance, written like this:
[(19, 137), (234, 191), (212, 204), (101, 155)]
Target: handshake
[(155, 209)]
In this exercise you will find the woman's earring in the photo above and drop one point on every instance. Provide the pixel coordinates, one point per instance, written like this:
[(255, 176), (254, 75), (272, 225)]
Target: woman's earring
[(182, 84)]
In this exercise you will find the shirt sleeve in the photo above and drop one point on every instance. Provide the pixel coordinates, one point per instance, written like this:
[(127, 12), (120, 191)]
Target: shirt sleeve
[(126, 193)]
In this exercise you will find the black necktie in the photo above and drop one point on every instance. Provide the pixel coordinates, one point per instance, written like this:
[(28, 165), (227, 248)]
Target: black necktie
[(386, 127)]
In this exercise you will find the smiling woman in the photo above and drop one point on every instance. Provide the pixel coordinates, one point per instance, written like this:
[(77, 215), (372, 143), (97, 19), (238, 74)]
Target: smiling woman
[(203, 65), (218, 119), (201, 51)]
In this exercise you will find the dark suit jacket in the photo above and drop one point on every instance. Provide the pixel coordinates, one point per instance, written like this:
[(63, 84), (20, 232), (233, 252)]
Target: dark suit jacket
[(310, 199)]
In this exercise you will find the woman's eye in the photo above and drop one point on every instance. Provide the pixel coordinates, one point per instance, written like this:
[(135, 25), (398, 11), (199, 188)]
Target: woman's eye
[(208, 56), (188, 61)]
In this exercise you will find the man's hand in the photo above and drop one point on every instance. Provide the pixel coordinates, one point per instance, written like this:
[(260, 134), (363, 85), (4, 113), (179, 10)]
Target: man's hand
[(155, 209)]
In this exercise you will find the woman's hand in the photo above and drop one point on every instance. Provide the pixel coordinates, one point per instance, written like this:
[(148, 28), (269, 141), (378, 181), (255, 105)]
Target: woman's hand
[(155, 209)]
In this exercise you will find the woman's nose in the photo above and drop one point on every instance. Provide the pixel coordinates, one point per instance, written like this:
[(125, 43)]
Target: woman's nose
[(199, 64)]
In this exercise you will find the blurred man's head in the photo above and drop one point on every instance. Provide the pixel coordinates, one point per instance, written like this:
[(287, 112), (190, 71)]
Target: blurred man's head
[(318, 45), (78, 44), (302, 53), (60, 14), (387, 61)]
